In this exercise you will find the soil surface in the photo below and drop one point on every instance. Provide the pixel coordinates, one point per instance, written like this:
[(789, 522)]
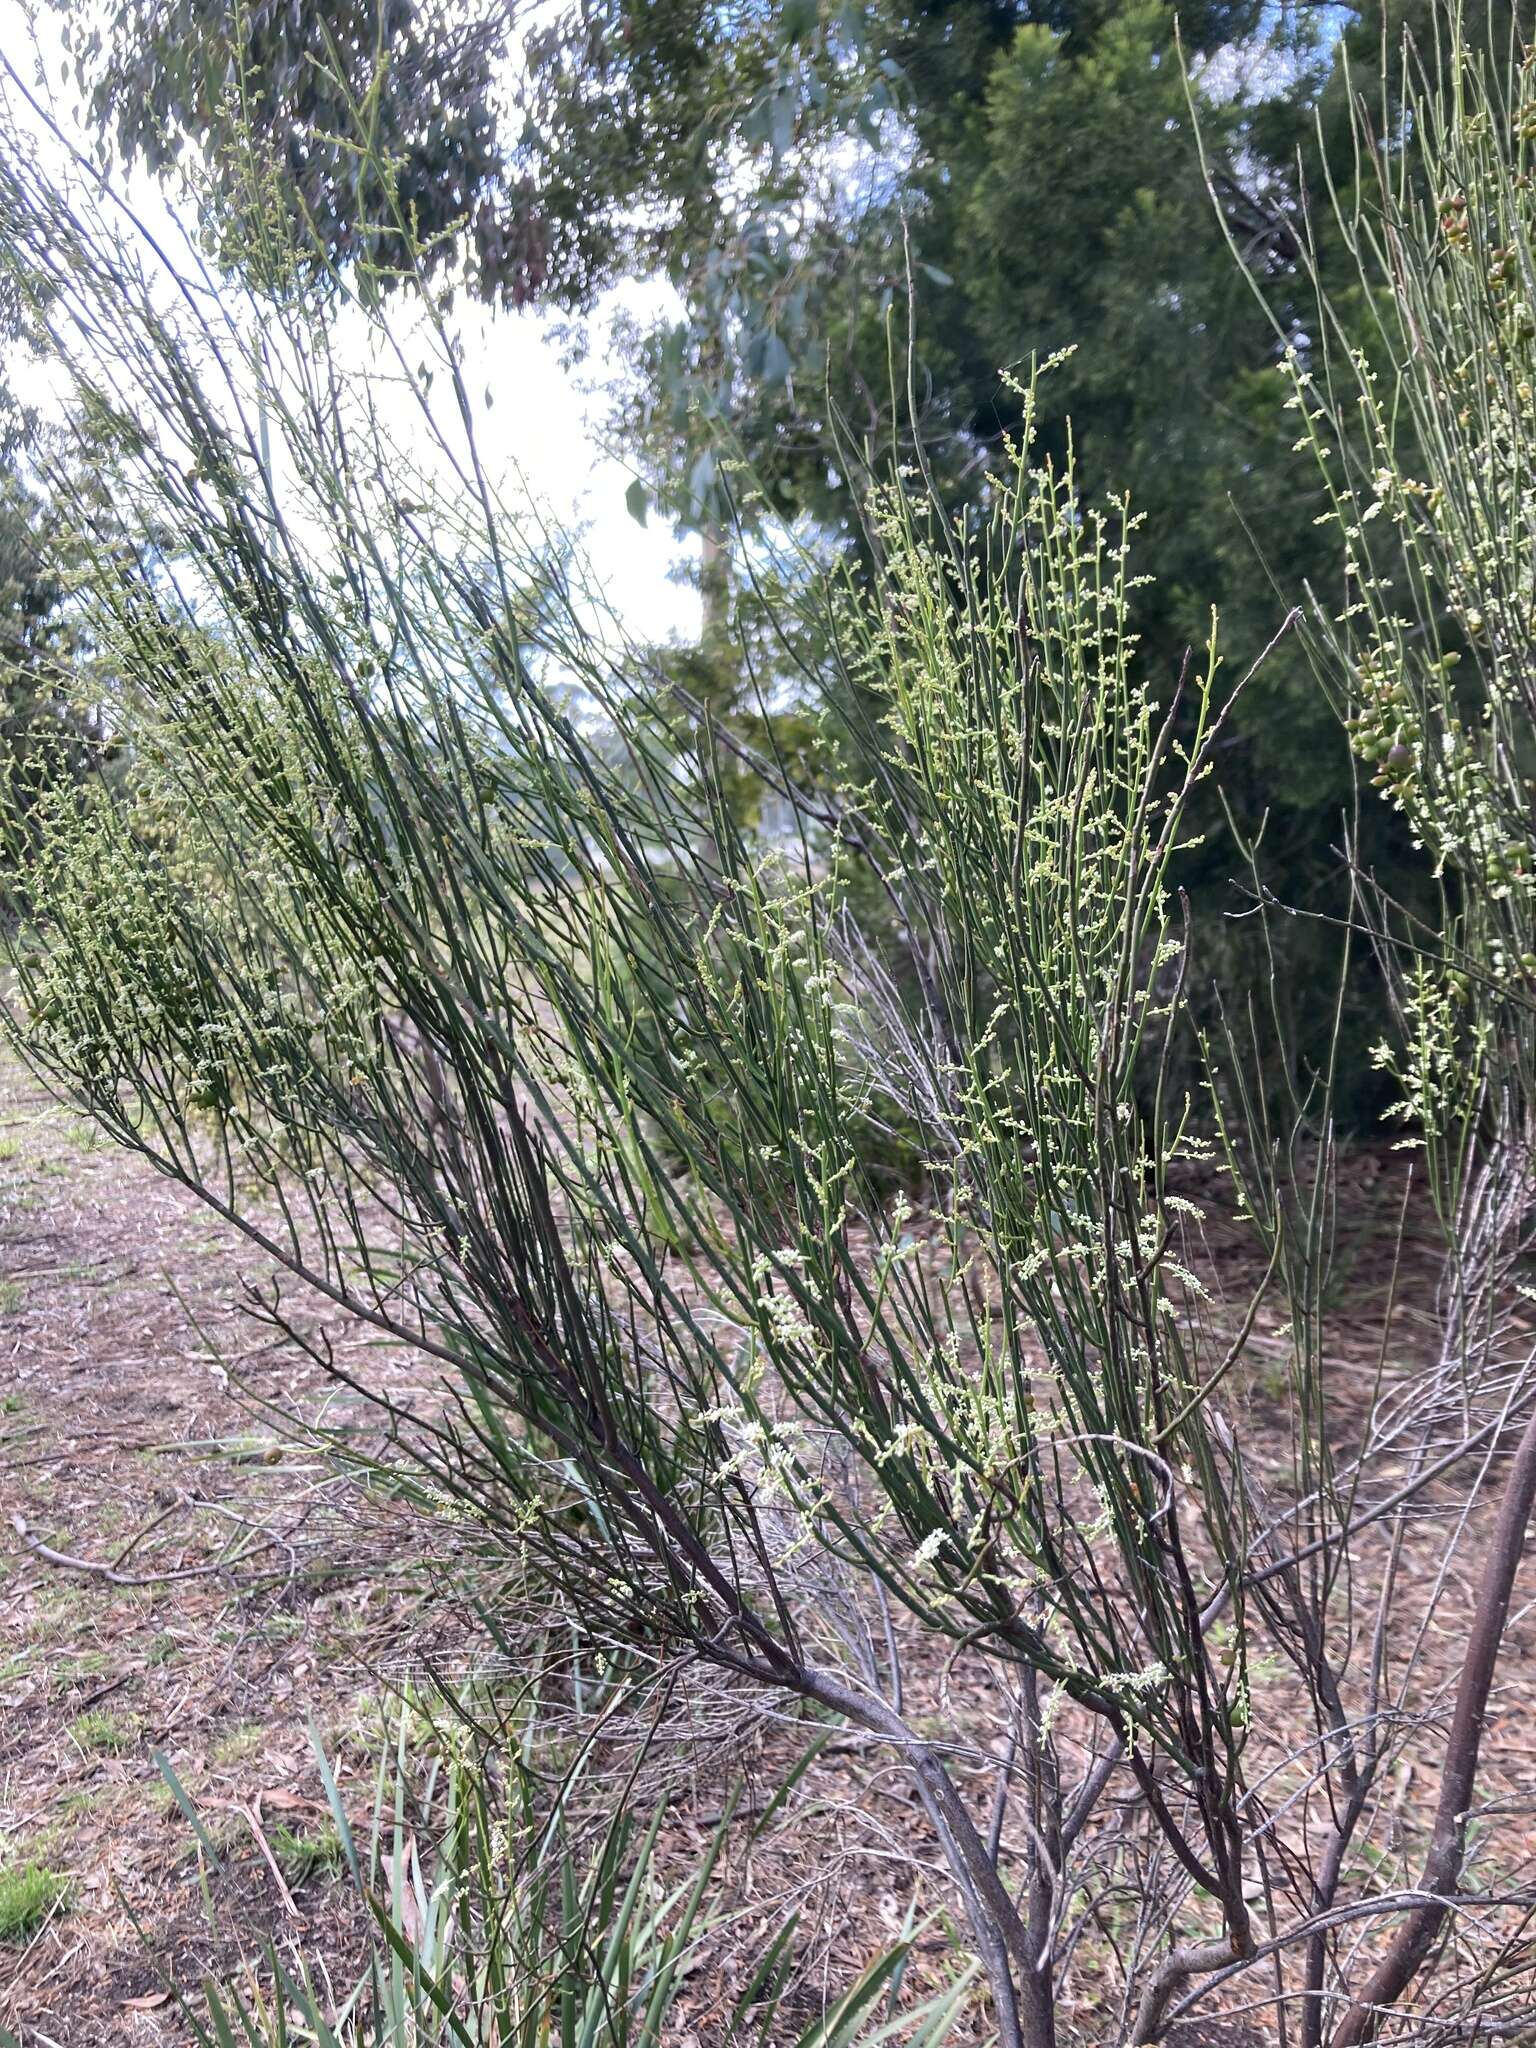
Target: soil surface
[(186, 1599)]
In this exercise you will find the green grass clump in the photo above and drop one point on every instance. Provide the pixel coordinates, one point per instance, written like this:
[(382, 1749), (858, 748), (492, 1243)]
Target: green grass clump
[(84, 1800), (77, 1670), (302, 1855), (240, 1745), (101, 1732), (13, 1297), (28, 1894), (59, 1615)]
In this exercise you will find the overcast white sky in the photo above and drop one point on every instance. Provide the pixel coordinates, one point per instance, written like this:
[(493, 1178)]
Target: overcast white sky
[(543, 424)]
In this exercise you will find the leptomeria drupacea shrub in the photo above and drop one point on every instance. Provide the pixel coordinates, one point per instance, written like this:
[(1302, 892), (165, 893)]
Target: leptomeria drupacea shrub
[(420, 951), (1421, 418)]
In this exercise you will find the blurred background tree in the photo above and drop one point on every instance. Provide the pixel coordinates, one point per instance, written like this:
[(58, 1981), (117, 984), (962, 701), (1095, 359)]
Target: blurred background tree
[(52, 721)]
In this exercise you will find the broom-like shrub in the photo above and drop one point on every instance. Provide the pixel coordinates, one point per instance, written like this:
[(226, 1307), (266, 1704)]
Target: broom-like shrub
[(420, 950)]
